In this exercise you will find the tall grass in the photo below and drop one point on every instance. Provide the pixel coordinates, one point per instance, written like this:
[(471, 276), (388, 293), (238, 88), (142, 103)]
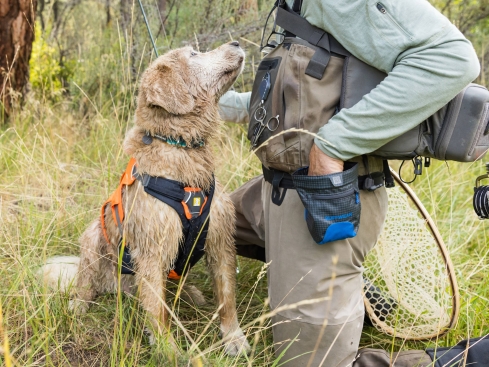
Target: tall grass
[(60, 158)]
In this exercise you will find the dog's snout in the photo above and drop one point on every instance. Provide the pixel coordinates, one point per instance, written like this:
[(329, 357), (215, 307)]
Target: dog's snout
[(235, 43)]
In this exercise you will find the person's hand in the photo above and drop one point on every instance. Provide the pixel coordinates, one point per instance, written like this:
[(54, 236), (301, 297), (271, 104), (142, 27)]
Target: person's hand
[(321, 164)]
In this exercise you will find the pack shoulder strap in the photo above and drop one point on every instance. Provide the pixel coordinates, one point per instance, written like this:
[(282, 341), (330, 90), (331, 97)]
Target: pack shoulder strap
[(297, 6)]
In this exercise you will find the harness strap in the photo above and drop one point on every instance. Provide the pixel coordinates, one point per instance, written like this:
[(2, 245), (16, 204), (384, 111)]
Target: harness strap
[(195, 224), (115, 200)]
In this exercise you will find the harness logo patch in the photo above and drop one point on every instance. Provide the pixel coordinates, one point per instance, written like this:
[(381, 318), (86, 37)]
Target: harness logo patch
[(196, 201), (337, 180)]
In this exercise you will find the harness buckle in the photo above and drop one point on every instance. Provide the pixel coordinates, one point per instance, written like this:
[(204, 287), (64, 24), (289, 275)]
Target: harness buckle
[(145, 179)]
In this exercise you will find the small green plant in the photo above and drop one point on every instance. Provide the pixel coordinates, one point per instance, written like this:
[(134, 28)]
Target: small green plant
[(47, 74)]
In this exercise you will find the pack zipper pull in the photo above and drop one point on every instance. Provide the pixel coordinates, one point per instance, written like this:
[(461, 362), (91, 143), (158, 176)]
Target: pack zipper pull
[(381, 8), (427, 162), (418, 166)]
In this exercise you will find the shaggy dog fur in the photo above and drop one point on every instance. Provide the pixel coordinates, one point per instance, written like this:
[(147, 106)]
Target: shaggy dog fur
[(178, 97)]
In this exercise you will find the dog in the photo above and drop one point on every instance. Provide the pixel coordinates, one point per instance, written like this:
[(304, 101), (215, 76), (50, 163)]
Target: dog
[(177, 103)]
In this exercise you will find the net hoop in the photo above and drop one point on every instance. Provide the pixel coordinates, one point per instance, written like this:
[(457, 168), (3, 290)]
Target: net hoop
[(376, 319)]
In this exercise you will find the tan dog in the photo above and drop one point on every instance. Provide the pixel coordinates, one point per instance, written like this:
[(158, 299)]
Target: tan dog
[(178, 97)]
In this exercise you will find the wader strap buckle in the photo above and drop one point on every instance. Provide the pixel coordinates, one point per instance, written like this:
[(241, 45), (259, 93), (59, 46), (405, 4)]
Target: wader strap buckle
[(277, 196), (295, 24), (372, 180), (389, 180)]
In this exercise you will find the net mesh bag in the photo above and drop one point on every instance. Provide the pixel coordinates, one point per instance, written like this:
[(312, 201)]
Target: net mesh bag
[(409, 285)]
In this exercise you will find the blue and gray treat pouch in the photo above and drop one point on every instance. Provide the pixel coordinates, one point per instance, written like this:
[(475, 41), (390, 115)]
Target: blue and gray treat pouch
[(332, 203)]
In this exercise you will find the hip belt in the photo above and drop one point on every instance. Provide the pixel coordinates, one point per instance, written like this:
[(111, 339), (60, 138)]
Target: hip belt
[(283, 180)]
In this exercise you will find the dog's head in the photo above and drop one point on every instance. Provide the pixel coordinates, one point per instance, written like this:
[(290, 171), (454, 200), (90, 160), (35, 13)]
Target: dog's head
[(185, 81)]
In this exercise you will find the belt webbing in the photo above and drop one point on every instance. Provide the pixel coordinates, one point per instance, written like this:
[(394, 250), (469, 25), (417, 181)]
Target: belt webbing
[(283, 180)]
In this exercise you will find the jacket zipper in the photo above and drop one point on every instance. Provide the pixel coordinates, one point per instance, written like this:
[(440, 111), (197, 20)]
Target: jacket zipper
[(333, 196), (383, 10)]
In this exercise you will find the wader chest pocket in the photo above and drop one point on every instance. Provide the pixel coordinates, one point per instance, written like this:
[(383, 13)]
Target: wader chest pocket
[(296, 102), (332, 203), (265, 113)]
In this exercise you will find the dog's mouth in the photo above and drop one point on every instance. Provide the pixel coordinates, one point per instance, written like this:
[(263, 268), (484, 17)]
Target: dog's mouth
[(229, 72), (233, 70), (155, 107)]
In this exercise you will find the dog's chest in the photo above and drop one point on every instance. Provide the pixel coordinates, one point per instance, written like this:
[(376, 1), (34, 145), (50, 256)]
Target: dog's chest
[(150, 219)]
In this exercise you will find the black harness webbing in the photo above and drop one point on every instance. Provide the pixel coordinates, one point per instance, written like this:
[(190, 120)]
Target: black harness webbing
[(194, 229)]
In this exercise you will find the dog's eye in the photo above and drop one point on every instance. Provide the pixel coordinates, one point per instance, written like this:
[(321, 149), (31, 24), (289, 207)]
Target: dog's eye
[(193, 53)]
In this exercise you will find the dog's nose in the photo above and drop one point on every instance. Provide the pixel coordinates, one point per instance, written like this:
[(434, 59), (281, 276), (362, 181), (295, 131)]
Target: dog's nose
[(235, 43)]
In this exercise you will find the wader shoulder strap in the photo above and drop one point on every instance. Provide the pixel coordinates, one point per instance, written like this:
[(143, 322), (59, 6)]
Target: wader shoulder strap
[(294, 23), (297, 6)]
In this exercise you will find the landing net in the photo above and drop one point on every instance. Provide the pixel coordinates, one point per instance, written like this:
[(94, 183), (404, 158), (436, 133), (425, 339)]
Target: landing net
[(410, 288)]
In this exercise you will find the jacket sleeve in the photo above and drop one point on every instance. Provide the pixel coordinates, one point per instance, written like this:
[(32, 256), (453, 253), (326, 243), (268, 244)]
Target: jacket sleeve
[(233, 107), (428, 62), (422, 82)]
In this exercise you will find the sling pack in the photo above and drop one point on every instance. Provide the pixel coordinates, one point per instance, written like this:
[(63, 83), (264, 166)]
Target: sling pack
[(310, 74), (191, 204)]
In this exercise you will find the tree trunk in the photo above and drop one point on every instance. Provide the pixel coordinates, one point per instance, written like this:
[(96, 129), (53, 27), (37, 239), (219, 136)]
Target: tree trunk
[(247, 7), (17, 19), (162, 8)]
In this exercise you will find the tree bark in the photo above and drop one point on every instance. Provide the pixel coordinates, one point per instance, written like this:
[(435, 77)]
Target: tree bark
[(17, 19), (246, 7), (162, 8)]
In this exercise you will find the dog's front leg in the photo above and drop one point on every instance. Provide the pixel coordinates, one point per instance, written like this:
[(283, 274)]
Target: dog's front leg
[(94, 274), (152, 296), (221, 260)]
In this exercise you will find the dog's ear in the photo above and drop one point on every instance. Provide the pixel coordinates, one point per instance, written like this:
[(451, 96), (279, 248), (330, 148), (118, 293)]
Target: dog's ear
[(167, 89)]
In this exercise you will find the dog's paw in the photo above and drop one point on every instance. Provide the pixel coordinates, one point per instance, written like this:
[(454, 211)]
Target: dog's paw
[(236, 343), (192, 294), (165, 338), (151, 336), (78, 306)]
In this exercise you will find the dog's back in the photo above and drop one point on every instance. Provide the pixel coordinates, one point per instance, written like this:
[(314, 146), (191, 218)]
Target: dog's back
[(60, 272)]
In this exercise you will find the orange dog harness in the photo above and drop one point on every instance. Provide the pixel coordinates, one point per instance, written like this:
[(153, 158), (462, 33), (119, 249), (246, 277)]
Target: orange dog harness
[(191, 204)]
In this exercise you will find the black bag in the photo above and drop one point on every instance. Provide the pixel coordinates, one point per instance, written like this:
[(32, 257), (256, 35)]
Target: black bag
[(477, 351)]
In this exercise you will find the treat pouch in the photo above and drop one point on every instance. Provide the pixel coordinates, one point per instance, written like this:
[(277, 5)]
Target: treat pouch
[(331, 202)]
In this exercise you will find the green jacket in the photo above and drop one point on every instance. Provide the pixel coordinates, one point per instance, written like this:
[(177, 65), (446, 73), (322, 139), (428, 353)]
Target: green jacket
[(428, 61)]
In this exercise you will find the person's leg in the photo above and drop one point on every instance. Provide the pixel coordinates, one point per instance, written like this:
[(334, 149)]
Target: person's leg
[(250, 228), (325, 332)]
